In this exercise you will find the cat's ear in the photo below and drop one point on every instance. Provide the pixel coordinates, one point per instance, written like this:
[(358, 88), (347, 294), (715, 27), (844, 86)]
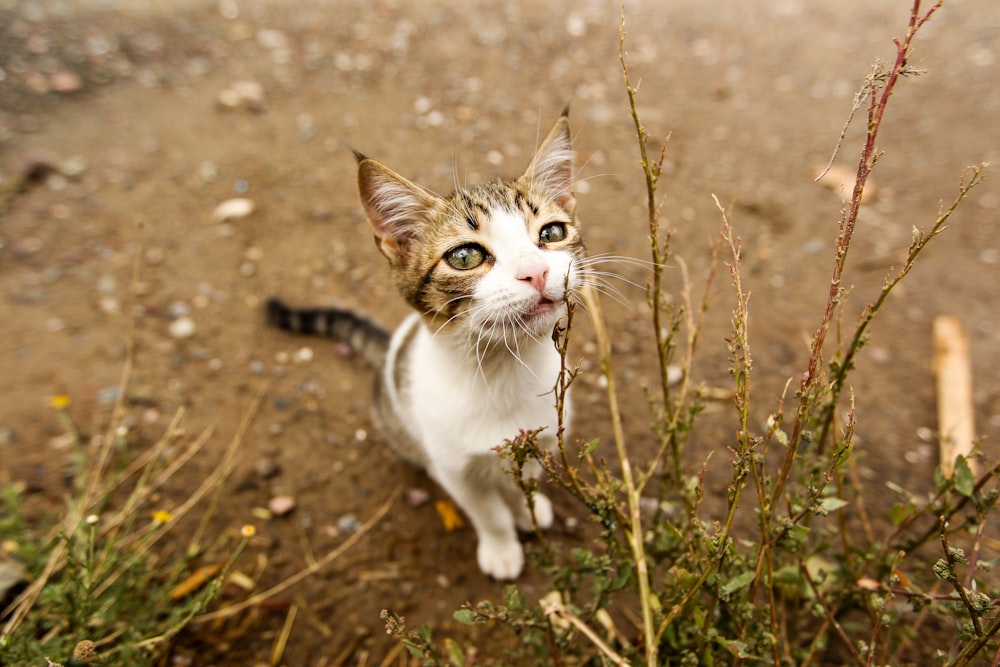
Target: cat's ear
[(396, 208), (551, 169)]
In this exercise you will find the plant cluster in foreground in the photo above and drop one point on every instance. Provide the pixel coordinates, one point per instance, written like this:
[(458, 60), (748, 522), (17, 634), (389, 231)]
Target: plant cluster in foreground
[(812, 583)]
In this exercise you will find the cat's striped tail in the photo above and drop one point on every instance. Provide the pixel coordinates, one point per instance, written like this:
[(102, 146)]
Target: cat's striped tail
[(364, 336)]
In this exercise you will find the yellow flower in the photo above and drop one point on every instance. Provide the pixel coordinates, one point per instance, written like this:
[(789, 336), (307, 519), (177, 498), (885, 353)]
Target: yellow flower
[(60, 401), (248, 530), (162, 516)]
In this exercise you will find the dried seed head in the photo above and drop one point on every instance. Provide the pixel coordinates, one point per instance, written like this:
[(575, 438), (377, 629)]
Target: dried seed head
[(85, 651)]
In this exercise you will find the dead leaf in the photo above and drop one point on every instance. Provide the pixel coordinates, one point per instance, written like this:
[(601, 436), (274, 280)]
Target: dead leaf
[(450, 518), (198, 578)]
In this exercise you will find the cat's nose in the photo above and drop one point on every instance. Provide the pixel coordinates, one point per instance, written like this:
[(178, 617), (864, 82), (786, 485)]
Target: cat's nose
[(535, 275)]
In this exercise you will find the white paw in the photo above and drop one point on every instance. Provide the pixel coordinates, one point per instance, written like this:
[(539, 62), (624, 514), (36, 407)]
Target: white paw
[(500, 559), (543, 514)]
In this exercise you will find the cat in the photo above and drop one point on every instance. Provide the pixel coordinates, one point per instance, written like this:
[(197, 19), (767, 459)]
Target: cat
[(489, 271)]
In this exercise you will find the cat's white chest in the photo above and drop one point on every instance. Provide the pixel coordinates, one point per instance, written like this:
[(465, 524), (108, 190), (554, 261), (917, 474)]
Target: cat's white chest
[(461, 407)]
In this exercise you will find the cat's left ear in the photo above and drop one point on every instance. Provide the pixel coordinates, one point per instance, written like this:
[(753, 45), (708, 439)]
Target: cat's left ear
[(551, 169)]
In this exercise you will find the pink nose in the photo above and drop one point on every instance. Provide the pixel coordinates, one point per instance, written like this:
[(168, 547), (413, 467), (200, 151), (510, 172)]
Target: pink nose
[(535, 275)]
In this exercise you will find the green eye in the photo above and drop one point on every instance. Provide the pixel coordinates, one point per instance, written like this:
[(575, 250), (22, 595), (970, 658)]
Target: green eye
[(465, 257), (552, 233)]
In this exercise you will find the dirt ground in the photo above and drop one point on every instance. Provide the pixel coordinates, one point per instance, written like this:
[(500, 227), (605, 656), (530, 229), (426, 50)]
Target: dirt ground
[(114, 146)]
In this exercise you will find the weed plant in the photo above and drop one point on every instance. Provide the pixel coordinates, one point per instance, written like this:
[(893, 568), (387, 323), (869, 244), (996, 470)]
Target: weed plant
[(104, 583), (812, 584)]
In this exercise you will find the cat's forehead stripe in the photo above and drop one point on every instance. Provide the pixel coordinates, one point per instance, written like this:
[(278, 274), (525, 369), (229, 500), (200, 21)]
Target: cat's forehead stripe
[(471, 206)]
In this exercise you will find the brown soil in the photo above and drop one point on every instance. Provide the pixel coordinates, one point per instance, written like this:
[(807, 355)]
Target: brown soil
[(113, 147)]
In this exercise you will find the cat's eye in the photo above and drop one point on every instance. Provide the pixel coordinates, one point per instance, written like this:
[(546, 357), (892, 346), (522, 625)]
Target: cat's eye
[(552, 233), (465, 257)]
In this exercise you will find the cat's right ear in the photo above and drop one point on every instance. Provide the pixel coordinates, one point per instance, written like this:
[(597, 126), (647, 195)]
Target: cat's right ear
[(397, 209)]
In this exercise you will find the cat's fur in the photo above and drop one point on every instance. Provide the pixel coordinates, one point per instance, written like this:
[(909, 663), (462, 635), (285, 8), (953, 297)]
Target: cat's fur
[(488, 270)]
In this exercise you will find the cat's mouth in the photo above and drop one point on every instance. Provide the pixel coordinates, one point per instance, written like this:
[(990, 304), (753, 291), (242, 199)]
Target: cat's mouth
[(543, 307)]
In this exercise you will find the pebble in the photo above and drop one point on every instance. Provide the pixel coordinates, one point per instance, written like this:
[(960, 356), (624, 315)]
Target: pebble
[(417, 497), (267, 468), (243, 95), (108, 395), (178, 309), (281, 505), (348, 524), (233, 209), (182, 327)]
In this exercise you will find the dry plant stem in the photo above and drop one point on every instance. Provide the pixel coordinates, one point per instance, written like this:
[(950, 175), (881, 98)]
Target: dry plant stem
[(327, 558), (970, 650), (651, 171), (634, 526), (552, 608), (921, 239), (21, 606), (876, 110), (896, 542), (282, 640), (830, 614), (953, 579)]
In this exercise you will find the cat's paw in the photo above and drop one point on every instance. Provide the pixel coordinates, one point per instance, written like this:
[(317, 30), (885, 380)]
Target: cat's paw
[(543, 514), (501, 559)]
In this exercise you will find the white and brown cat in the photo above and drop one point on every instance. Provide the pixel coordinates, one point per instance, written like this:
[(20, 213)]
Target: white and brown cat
[(488, 271)]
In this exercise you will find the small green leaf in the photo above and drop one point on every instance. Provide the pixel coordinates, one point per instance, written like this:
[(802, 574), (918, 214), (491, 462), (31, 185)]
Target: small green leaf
[(832, 504), (464, 616), (736, 583), (789, 575), (898, 513), (965, 482), (456, 657)]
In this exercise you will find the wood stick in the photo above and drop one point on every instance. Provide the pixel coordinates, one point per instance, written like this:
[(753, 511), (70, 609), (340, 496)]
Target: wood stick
[(953, 370)]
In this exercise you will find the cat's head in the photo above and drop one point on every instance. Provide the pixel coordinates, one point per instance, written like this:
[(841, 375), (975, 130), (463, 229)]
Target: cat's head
[(495, 261)]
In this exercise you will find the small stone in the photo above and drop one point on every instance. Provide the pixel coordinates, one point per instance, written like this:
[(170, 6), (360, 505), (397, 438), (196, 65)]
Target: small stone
[(108, 395), (182, 327), (65, 81), (348, 524), (54, 325), (177, 309), (303, 355), (267, 468), (281, 505), (442, 581), (233, 209), (155, 256), (246, 95), (417, 497), (109, 305)]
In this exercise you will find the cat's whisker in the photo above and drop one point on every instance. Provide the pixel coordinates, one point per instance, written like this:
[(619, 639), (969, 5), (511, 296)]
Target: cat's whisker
[(607, 290), (594, 260)]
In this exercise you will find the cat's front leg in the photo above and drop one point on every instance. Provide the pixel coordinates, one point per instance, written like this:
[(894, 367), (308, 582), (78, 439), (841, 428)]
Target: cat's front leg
[(499, 552)]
